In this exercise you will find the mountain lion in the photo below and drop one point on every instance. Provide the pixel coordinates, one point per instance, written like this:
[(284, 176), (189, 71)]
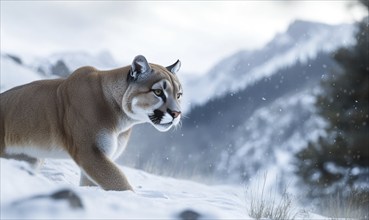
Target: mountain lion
[(89, 116)]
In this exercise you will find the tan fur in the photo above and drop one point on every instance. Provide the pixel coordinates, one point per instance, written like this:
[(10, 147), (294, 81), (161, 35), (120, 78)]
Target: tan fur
[(88, 116)]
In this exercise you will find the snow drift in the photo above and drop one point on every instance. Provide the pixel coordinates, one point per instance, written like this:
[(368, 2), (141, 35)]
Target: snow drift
[(53, 193)]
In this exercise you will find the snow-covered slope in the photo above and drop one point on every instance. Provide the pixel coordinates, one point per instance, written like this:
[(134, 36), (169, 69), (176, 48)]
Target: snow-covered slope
[(62, 64), (53, 193), (14, 74), (274, 132)]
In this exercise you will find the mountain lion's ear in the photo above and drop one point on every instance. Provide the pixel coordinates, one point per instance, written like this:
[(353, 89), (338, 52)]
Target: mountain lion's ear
[(174, 68), (139, 67)]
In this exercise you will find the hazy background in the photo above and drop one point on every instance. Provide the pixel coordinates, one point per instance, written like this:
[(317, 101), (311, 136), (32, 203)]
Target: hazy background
[(200, 33)]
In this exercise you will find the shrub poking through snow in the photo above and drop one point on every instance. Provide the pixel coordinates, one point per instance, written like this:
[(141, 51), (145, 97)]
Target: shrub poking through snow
[(270, 203)]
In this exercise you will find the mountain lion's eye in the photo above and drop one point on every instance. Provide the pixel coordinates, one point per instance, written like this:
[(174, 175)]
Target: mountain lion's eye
[(179, 95), (158, 92)]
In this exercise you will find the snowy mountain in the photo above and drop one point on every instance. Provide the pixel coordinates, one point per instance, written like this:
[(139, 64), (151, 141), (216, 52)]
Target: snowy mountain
[(302, 42), (13, 73), (62, 64), (17, 71)]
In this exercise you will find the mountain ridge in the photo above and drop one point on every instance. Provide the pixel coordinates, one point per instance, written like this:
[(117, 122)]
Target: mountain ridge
[(258, 64)]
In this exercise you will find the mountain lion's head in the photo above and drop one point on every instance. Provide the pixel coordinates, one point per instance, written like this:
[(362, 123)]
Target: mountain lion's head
[(153, 94)]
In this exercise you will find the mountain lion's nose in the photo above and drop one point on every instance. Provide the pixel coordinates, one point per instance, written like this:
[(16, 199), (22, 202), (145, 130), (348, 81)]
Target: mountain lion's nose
[(174, 114)]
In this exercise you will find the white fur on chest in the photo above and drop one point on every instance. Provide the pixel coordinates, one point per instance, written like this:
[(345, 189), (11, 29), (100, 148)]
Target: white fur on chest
[(107, 142), (112, 144)]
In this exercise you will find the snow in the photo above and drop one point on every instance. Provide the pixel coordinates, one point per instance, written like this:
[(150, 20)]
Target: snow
[(74, 60), (276, 142), (13, 74), (155, 197), (27, 193)]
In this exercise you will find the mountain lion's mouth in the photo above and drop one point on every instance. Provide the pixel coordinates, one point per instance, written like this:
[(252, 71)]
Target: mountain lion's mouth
[(166, 124), (161, 126), (156, 121), (163, 121)]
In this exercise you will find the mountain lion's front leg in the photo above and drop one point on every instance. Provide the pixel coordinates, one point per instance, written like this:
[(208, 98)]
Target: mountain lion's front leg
[(99, 168)]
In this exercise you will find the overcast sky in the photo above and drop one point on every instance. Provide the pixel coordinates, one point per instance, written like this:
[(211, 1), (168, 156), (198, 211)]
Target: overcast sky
[(200, 33)]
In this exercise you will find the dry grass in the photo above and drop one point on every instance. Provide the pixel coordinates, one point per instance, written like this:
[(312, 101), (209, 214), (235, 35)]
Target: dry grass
[(351, 205), (269, 204)]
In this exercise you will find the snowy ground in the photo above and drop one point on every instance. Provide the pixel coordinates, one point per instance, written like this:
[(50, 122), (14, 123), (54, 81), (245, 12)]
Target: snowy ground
[(53, 193), (26, 193)]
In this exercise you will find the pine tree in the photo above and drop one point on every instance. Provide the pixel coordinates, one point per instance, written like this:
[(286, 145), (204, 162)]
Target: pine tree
[(340, 160)]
